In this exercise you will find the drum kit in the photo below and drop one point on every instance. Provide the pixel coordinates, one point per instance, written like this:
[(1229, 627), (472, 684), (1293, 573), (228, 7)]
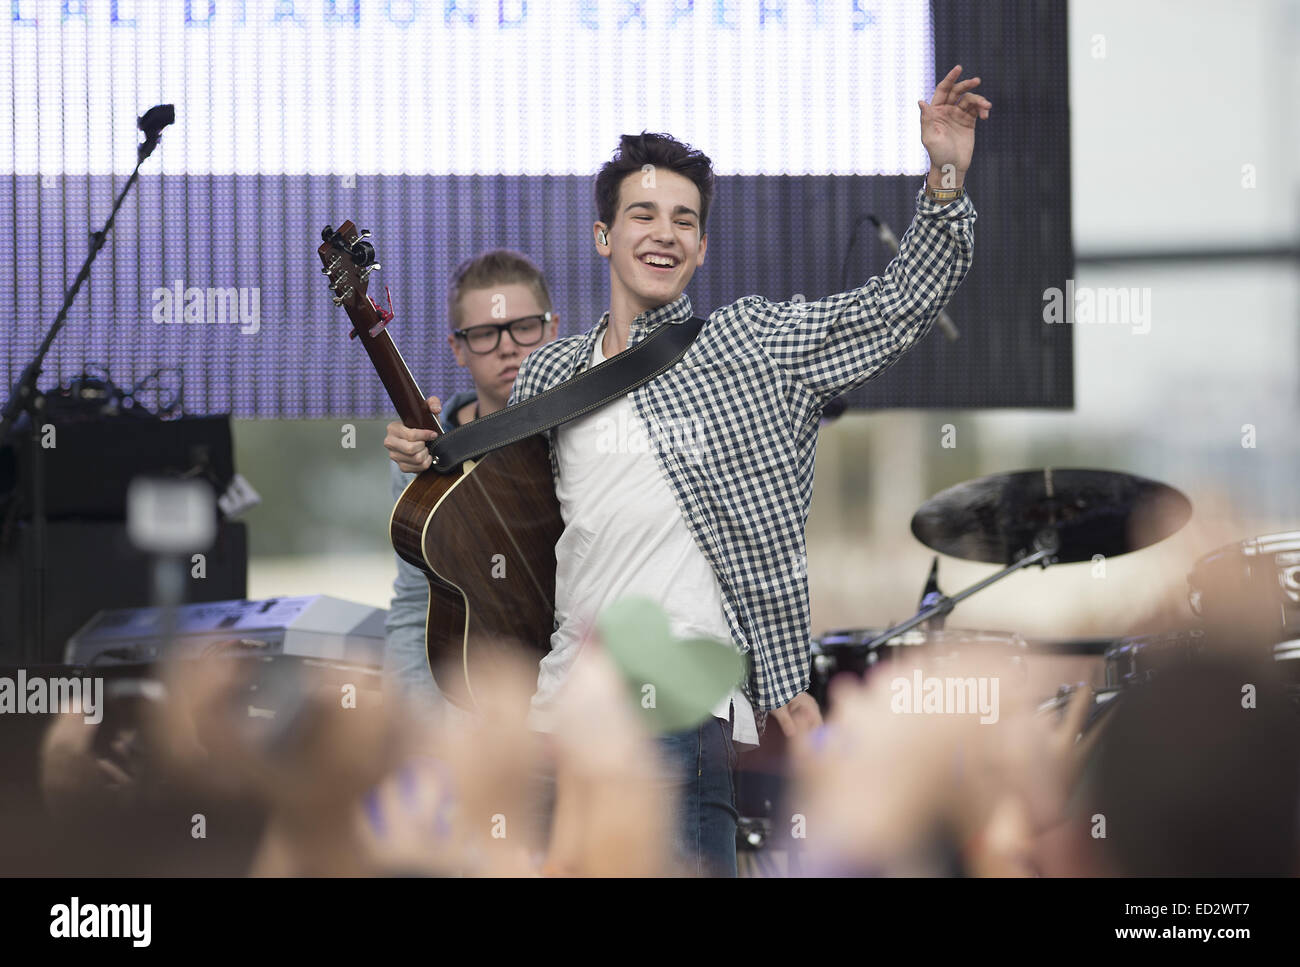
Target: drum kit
[(1056, 516), (1059, 516)]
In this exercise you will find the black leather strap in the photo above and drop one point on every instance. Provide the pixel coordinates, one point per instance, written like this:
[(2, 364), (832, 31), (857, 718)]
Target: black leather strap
[(585, 392)]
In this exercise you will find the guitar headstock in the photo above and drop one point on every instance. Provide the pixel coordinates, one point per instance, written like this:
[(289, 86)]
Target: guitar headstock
[(347, 260)]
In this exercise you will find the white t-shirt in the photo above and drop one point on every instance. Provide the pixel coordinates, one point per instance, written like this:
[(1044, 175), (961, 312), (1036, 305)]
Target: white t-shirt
[(624, 534)]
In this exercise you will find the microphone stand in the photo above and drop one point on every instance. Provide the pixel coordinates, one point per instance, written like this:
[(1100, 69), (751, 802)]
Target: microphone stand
[(27, 398)]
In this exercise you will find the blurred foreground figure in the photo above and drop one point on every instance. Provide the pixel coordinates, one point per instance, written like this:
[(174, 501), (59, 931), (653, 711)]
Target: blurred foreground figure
[(1198, 773), (1194, 771), (896, 784), (340, 783)]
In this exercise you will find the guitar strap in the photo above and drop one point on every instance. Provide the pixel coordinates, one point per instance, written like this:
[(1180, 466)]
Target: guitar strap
[(581, 394)]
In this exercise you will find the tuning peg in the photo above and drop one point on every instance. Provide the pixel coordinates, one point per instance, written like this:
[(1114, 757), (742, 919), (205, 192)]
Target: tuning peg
[(337, 300), (365, 273)]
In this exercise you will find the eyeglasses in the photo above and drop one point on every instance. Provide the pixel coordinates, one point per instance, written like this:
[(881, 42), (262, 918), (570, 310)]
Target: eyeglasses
[(486, 338)]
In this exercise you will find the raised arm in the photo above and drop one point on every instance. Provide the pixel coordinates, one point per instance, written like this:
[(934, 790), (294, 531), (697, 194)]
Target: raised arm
[(839, 342)]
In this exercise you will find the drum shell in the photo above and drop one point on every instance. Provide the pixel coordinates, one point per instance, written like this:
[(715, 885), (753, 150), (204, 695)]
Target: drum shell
[(1252, 584)]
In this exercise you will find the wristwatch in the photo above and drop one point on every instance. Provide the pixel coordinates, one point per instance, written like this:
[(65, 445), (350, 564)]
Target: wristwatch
[(943, 194)]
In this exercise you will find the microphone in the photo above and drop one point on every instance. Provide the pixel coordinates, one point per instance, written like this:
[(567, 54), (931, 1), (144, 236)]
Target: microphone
[(945, 321), (152, 124)]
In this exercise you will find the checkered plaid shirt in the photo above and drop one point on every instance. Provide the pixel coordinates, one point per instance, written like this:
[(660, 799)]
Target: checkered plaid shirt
[(734, 424)]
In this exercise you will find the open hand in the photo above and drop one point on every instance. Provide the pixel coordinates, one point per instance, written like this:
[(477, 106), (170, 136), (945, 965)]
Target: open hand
[(948, 121)]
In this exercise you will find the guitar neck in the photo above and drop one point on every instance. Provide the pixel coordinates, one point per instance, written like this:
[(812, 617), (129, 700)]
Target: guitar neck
[(391, 367)]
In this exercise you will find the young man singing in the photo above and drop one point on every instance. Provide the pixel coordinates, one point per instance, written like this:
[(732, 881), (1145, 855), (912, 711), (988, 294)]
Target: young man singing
[(714, 531)]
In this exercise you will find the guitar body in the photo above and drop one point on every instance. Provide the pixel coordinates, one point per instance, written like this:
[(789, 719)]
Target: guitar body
[(485, 537)]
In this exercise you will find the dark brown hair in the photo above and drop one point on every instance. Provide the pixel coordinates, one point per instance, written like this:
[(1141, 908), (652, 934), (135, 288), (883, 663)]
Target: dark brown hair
[(500, 266), (637, 150)]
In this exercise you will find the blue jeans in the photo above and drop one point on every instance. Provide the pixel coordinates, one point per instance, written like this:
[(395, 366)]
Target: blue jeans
[(705, 760)]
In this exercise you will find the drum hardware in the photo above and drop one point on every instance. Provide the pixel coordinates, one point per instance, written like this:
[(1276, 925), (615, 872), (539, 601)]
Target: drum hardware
[(1102, 698), (1134, 661), (1078, 647), (1043, 517), (753, 832), (756, 855), (1046, 546), (1287, 653)]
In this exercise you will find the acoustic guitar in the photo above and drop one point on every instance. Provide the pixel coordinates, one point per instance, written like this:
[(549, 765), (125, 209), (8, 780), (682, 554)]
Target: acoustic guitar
[(484, 534)]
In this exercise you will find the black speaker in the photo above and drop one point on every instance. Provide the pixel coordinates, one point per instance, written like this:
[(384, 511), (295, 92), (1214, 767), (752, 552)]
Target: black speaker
[(66, 476), (90, 566), (92, 460)]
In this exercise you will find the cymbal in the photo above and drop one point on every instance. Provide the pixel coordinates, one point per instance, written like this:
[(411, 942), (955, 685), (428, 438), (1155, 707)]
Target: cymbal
[(996, 519)]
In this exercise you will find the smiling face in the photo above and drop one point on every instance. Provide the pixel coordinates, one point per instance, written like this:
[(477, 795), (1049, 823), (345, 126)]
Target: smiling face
[(494, 372), (654, 245)]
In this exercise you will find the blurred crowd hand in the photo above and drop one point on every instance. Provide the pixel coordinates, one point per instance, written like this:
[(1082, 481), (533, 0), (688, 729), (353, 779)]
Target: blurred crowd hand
[(358, 789), (872, 784), (461, 803), (74, 776), (487, 760), (407, 825), (883, 789), (1019, 786), (309, 766), (466, 805), (194, 731), (314, 779), (614, 799), (324, 744), (407, 447)]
